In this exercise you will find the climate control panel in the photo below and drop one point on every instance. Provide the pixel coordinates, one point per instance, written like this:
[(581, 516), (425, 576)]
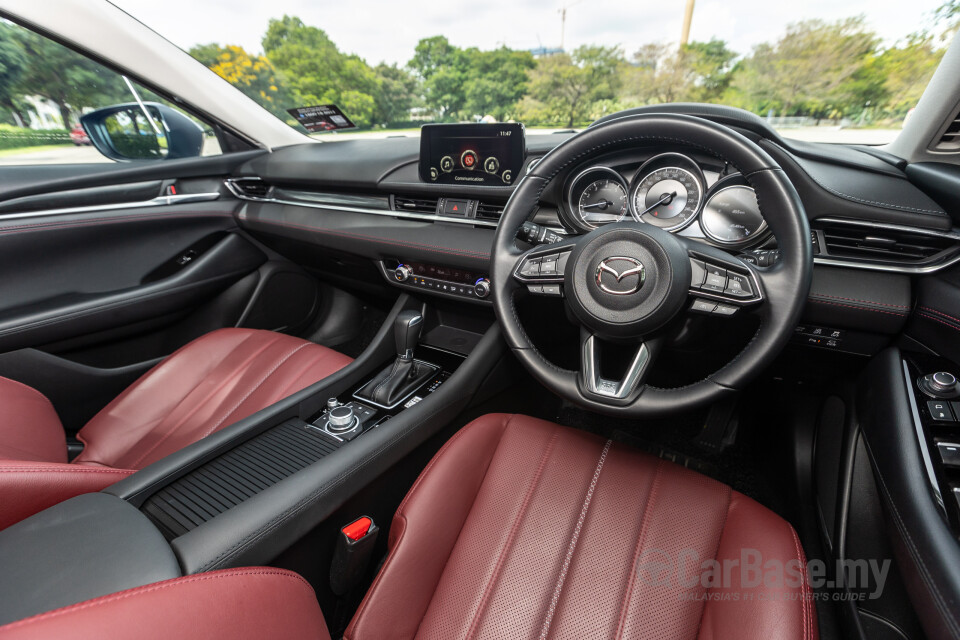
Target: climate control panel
[(438, 279)]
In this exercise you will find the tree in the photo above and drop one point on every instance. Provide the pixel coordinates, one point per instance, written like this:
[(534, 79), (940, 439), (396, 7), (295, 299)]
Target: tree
[(63, 76), (443, 69), (697, 72), (398, 93), (255, 76), (496, 81), (318, 72), (905, 71), (811, 69), (13, 63), (565, 87)]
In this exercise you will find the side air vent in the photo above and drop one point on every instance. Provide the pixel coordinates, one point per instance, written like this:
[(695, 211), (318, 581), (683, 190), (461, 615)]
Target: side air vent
[(950, 139), (885, 245), (415, 205), (250, 187), (487, 211)]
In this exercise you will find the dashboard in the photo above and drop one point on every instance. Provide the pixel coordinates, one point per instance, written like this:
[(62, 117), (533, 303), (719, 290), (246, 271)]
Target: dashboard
[(694, 196)]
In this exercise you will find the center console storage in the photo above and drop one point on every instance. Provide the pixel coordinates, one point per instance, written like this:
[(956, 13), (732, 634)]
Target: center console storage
[(246, 493)]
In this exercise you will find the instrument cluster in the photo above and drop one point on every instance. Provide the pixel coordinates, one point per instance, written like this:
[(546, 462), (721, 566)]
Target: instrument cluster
[(672, 191)]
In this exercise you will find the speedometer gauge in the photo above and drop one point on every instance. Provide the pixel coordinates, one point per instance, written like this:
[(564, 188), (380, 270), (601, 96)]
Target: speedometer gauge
[(668, 197)]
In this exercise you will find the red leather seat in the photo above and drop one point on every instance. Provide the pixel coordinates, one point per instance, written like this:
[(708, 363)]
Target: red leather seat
[(205, 386), (234, 604), (520, 528)]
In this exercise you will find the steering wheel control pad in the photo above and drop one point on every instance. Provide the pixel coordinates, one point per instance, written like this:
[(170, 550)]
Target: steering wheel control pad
[(627, 279)]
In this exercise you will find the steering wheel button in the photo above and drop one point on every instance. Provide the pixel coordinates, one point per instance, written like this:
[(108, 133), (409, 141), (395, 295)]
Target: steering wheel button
[(531, 268), (562, 262), (703, 306), (551, 289), (716, 279), (548, 266), (738, 286), (698, 272), (725, 309)]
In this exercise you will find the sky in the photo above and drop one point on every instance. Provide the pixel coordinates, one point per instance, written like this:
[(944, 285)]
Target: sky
[(388, 30)]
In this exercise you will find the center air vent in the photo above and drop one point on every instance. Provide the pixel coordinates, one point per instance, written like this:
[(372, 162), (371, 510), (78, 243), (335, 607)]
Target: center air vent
[(415, 205), (885, 245), (250, 187), (487, 211)]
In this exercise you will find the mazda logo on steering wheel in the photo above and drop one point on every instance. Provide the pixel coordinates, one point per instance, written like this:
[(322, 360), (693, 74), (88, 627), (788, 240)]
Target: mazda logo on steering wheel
[(620, 275)]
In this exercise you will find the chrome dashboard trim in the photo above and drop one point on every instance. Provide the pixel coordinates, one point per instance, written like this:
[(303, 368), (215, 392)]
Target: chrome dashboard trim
[(159, 201), (230, 183)]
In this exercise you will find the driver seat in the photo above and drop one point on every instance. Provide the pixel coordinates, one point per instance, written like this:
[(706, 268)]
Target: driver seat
[(518, 528)]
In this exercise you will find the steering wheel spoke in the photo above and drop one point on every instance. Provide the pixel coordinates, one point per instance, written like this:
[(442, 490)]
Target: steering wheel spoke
[(595, 385)]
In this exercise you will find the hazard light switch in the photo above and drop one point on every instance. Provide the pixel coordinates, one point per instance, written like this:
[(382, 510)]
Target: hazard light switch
[(455, 207)]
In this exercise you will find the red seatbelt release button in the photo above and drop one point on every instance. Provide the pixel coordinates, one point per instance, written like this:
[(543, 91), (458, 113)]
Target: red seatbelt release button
[(358, 528)]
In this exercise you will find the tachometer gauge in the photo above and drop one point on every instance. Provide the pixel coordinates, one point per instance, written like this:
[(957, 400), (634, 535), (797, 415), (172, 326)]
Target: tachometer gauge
[(668, 197), (603, 201), (598, 196), (732, 216)]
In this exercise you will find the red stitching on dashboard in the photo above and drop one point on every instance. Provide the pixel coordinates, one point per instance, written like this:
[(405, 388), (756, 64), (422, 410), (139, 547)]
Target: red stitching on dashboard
[(935, 319), (357, 236), (850, 306), (940, 313), (882, 304)]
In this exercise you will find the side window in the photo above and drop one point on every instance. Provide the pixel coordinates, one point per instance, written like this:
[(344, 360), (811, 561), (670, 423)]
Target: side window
[(59, 107)]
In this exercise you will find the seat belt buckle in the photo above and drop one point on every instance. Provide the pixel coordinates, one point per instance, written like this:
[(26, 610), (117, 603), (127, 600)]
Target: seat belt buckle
[(351, 558)]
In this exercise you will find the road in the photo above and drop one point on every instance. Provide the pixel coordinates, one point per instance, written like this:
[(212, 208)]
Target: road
[(72, 154)]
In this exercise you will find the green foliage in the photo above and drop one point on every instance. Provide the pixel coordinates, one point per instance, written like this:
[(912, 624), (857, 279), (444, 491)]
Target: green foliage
[(16, 137), (564, 88), (255, 76)]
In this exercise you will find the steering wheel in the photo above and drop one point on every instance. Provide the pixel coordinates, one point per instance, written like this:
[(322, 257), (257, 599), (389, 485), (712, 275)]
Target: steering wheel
[(624, 281)]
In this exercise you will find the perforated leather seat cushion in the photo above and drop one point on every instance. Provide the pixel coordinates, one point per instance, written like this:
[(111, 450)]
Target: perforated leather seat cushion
[(520, 528)]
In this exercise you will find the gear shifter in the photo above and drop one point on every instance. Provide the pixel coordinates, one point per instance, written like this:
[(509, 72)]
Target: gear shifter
[(400, 379)]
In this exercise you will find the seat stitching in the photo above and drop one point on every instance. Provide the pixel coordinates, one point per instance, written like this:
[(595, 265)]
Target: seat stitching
[(253, 390), (716, 550), (67, 467), (625, 605), (561, 578), (803, 583), (401, 516), (501, 558), (159, 586), (238, 371)]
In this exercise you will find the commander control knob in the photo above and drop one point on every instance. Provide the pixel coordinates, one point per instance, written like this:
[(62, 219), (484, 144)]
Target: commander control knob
[(482, 288), (340, 419), (941, 384), (402, 273)]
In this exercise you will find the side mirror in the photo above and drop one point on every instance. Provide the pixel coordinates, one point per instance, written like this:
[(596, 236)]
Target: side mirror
[(123, 132)]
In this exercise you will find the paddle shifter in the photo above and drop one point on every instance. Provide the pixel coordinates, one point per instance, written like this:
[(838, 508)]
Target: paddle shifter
[(405, 375)]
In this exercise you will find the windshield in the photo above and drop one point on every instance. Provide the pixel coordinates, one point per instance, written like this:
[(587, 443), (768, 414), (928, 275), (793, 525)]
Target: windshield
[(821, 70)]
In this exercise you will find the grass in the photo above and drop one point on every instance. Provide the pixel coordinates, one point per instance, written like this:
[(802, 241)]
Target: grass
[(16, 151)]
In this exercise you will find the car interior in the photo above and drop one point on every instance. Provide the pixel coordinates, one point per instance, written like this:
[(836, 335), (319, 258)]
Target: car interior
[(481, 383)]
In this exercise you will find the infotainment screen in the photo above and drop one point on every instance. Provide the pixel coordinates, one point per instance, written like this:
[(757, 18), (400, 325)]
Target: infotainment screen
[(471, 154)]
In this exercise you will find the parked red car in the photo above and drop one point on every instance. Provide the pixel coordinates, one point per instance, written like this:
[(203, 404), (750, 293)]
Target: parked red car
[(79, 137)]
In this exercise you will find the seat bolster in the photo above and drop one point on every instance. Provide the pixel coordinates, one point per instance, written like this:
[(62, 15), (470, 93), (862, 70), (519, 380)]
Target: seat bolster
[(29, 426), (428, 522), (233, 604), (777, 603), (28, 487)]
